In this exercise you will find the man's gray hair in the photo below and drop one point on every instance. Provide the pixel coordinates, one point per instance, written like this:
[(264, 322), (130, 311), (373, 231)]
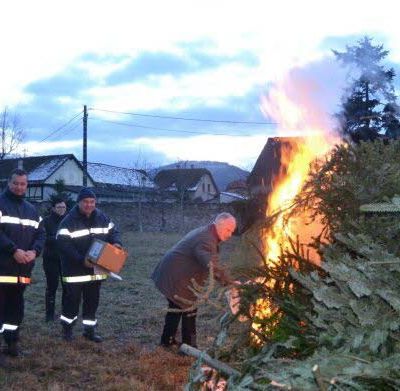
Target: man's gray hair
[(222, 217)]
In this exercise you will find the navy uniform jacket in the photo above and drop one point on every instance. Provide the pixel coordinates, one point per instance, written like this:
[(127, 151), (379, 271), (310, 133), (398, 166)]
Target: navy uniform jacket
[(189, 258), (19, 228), (50, 224), (74, 238)]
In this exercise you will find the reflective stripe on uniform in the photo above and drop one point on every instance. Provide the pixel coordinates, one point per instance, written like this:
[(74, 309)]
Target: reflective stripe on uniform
[(17, 220), (94, 277), (14, 280), (89, 322), (9, 279), (68, 320), (11, 327), (85, 232)]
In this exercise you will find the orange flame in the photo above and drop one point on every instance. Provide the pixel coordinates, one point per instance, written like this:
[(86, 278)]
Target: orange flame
[(290, 105)]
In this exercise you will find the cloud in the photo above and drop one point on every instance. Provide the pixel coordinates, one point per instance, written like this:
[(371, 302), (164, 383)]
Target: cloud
[(239, 151), (190, 60), (71, 82)]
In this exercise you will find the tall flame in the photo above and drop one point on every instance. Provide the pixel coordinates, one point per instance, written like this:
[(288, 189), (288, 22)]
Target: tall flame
[(289, 103)]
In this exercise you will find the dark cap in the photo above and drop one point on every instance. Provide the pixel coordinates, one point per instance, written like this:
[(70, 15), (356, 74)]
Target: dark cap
[(86, 193)]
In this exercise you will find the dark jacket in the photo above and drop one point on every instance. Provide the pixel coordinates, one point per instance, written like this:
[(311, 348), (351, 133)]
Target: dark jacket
[(50, 224), (189, 258), (19, 228), (75, 235)]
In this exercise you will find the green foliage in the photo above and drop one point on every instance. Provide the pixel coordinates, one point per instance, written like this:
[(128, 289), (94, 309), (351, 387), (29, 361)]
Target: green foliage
[(351, 176), (369, 105), (338, 326), (62, 193)]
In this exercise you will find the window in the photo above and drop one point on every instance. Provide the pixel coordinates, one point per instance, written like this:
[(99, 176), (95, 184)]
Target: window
[(34, 193)]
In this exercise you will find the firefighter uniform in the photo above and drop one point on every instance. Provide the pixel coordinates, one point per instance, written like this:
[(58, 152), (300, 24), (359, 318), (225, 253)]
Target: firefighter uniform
[(75, 235), (19, 229), (51, 262)]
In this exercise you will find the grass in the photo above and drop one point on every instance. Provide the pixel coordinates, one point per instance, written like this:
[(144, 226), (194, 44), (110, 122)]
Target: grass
[(130, 319)]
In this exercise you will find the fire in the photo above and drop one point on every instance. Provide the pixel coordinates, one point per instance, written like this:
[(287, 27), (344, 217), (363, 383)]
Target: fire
[(298, 116)]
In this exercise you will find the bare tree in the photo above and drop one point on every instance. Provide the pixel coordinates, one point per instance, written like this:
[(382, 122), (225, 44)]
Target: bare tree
[(143, 183), (11, 133)]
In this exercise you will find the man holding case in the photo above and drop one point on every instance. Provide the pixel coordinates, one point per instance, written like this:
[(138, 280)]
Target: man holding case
[(75, 235)]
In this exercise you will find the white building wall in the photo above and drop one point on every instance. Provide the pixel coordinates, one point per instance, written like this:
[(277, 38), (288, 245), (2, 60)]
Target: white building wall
[(70, 173), (206, 194)]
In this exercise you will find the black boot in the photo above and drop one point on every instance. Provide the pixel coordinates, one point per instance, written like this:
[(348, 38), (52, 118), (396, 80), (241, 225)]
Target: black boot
[(50, 303), (90, 334), (12, 349), (168, 341), (3, 362), (11, 339), (67, 332)]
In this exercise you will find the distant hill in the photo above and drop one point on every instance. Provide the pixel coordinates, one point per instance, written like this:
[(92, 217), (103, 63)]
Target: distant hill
[(223, 173)]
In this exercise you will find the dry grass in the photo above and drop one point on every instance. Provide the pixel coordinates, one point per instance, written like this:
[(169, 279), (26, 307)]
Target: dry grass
[(130, 320)]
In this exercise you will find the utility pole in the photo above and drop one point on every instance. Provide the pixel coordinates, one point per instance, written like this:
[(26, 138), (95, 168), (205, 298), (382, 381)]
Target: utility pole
[(85, 115)]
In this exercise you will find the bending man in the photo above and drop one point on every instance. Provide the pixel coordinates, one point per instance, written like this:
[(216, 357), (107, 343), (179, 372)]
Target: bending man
[(190, 259)]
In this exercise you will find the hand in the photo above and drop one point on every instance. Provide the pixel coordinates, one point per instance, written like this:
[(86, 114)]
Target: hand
[(88, 263), (21, 256), (31, 255)]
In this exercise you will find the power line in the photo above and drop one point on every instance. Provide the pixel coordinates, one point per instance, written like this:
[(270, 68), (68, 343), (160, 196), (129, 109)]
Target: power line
[(185, 119), (70, 130), (164, 129), (61, 127)]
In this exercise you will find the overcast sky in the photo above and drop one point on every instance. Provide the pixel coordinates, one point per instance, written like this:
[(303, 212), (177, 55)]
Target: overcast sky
[(209, 60)]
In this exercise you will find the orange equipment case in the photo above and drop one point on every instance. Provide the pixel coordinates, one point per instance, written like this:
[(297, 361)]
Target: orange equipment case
[(106, 255)]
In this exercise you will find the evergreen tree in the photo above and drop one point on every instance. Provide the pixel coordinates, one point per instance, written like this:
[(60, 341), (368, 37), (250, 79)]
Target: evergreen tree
[(369, 106), (62, 194), (337, 325)]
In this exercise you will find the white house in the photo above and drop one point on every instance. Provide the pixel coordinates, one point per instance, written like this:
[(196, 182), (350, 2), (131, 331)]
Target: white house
[(44, 172)]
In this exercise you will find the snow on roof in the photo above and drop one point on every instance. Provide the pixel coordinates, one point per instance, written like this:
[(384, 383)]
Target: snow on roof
[(233, 195), (104, 173), (44, 170)]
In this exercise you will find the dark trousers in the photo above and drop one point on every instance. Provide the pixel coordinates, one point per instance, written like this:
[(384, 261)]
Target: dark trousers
[(171, 325), (52, 270), (90, 294), (11, 310)]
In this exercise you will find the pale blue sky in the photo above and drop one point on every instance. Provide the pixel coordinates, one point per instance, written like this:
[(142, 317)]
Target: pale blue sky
[(208, 60)]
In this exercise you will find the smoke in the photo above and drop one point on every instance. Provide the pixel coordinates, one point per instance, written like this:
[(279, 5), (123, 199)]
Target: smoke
[(305, 100)]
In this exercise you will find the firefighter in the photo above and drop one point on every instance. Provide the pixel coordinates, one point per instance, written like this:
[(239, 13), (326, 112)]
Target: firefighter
[(76, 233), (51, 257), (21, 241)]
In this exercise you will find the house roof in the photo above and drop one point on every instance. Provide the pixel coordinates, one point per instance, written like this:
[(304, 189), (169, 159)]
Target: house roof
[(233, 195), (236, 185), (39, 168), (268, 163), (182, 178), (105, 173)]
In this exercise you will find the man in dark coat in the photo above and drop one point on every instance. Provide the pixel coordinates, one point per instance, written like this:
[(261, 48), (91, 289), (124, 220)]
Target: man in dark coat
[(21, 241), (75, 235), (51, 256), (190, 259)]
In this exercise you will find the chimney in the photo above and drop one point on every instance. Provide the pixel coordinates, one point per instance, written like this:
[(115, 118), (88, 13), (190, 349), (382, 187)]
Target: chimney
[(20, 164)]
